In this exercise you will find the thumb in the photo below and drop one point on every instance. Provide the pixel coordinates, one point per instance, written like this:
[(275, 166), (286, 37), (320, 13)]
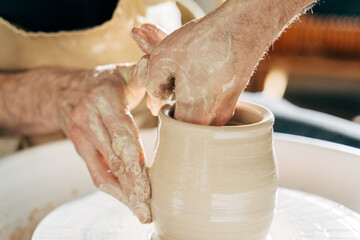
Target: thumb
[(147, 36), (160, 83), (160, 71), (134, 75)]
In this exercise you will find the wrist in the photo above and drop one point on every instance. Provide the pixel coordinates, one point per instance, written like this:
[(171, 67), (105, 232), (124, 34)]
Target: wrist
[(29, 99)]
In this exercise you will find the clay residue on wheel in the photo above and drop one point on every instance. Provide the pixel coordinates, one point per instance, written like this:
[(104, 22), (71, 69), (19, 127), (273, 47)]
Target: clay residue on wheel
[(25, 230)]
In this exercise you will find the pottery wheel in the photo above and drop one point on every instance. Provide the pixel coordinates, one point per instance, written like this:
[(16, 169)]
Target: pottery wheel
[(298, 216)]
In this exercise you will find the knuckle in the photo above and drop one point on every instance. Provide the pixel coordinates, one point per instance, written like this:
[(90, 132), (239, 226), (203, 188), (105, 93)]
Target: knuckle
[(77, 115)]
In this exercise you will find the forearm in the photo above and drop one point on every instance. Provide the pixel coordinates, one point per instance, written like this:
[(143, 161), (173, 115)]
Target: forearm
[(266, 16), (28, 100), (256, 23)]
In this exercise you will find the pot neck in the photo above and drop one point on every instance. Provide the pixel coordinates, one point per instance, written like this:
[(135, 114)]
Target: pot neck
[(249, 120)]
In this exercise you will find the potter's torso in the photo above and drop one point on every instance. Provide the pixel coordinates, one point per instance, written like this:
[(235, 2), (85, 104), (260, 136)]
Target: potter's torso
[(106, 43), (109, 42)]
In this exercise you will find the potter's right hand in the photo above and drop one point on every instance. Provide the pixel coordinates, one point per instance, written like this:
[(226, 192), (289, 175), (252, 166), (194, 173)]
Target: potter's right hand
[(199, 64), (208, 62)]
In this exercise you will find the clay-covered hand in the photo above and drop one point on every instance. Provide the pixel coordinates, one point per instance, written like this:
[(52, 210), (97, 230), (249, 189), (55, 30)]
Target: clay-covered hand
[(199, 63), (208, 62), (93, 108), (96, 117), (95, 114)]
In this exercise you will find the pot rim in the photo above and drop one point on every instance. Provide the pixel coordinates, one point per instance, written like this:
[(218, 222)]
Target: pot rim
[(267, 117)]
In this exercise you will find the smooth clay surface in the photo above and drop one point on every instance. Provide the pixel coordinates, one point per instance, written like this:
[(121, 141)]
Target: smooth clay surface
[(214, 182)]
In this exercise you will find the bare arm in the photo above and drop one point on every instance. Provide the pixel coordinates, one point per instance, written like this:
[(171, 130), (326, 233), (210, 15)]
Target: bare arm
[(29, 99), (255, 24)]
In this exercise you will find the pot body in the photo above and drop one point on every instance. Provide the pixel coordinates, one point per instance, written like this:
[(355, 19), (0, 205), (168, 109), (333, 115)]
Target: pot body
[(214, 182)]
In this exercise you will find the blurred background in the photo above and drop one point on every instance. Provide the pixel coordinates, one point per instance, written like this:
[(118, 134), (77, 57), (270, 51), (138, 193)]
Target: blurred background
[(316, 62)]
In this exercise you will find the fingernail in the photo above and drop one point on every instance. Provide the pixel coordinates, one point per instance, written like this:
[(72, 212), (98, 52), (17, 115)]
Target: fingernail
[(151, 28), (136, 33), (135, 30), (147, 28)]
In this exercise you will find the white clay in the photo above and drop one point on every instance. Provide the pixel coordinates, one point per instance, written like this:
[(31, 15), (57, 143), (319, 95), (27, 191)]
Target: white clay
[(211, 183)]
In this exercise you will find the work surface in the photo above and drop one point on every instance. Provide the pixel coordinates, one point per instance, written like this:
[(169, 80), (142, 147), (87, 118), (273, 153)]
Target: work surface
[(298, 215), (37, 180)]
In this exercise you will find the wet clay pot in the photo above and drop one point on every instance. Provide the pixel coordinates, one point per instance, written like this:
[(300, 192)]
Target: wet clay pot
[(213, 182)]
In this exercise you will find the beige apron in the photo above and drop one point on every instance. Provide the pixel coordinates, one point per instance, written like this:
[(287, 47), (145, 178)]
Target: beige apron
[(107, 43)]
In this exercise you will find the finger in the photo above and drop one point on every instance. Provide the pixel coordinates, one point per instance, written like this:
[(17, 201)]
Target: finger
[(130, 175), (97, 166), (148, 36), (159, 80), (141, 71), (95, 129), (134, 76), (160, 83), (154, 31), (126, 144), (126, 71), (88, 120)]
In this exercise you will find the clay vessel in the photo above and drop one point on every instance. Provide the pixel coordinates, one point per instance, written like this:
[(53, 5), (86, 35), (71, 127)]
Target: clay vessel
[(213, 182)]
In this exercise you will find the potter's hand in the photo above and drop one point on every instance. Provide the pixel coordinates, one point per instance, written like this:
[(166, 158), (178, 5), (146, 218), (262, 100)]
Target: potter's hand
[(208, 62), (93, 109), (99, 122), (199, 61), (96, 117)]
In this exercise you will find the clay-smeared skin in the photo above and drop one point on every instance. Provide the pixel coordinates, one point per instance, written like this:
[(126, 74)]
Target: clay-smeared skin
[(93, 109), (210, 61)]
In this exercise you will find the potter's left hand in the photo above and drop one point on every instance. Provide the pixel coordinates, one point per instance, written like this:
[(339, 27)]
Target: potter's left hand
[(93, 108), (208, 62), (95, 114), (96, 117)]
